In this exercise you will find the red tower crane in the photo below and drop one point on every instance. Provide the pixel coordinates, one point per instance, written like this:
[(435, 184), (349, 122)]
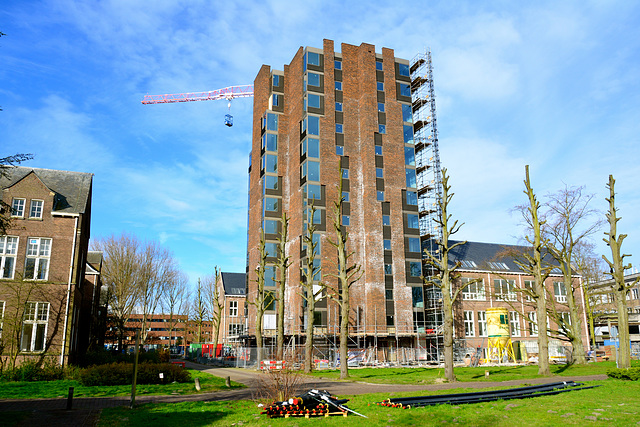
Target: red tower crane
[(227, 93)]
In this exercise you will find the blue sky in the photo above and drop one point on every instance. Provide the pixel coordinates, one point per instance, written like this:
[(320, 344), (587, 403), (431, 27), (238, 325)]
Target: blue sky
[(551, 84)]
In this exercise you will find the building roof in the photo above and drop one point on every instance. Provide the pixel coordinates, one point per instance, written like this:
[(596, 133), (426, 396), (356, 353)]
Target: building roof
[(234, 283), (480, 256), (72, 189), (94, 261)]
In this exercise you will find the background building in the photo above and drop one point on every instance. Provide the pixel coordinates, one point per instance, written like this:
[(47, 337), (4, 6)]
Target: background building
[(46, 302)]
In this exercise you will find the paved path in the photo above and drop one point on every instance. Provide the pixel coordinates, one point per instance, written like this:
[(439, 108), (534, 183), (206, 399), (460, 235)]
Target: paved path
[(86, 411)]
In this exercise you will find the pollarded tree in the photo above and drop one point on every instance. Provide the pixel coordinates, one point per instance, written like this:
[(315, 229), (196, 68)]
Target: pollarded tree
[(214, 303), (262, 299), (441, 274), (617, 269), (282, 264), (568, 224), (198, 311)]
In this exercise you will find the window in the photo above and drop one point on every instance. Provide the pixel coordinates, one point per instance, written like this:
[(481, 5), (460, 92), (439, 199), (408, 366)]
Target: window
[(379, 173), (386, 244), (271, 204), (533, 324), (388, 269), (340, 150), (414, 244), (382, 129), (634, 293), (345, 196), (412, 198), (560, 291), (8, 250), (34, 326), (272, 122), (380, 196), (474, 291), (313, 58), (236, 329), (388, 294), (415, 269), (276, 80), (338, 85), (417, 297), (37, 263), (314, 191), (412, 221), (275, 100), (564, 322), (380, 86), (514, 323), (469, 330), (407, 114), (403, 70), (345, 173), (409, 156), (339, 128), (17, 207), (531, 287), (378, 149), (311, 147), (338, 106), (270, 226), (482, 323), (381, 107), (270, 182), (386, 220), (378, 65), (270, 275), (504, 289), (405, 90), (410, 175), (313, 100), (270, 141), (337, 65), (407, 132), (36, 209), (270, 163), (269, 300), (233, 308), (313, 79), (345, 220), (311, 170), (271, 249)]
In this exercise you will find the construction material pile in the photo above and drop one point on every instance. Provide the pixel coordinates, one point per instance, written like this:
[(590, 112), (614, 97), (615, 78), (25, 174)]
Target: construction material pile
[(485, 396), (313, 403)]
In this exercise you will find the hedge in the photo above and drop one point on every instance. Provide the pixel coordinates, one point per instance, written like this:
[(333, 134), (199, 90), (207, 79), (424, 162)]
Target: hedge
[(632, 374), (122, 374)]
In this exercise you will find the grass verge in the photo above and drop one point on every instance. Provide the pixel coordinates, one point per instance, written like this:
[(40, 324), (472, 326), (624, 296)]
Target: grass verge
[(463, 374), (615, 403), (53, 389)]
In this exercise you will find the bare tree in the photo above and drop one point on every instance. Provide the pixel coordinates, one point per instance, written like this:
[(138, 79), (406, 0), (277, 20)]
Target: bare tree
[(309, 294), (120, 273), (215, 304), (532, 263), (198, 311), (590, 267), (282, 264), (174, 300), (617, 269), (443, 274), (568, 224), (347, 274), (261, 300)]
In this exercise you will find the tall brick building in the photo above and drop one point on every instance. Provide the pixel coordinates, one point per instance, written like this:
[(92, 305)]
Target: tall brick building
[(330, 115), (47, 306)]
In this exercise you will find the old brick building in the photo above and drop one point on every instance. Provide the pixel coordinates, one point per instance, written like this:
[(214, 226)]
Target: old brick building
[(46, 302)]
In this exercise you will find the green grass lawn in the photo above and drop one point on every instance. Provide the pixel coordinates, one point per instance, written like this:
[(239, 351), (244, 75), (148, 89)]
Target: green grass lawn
[(49, 389), (614, 403), (463, 374)]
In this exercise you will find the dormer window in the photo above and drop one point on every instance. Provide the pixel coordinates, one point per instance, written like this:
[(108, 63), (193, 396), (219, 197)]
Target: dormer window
[(36, 209)]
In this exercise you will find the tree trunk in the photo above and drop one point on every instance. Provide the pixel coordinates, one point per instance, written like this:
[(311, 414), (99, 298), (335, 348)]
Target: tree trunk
[(448, 331), (259, 337), (308, 345), (624, 350), (579, 356), (344, 335)]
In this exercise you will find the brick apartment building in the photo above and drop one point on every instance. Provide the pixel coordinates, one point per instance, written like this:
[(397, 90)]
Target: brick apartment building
[(232, 288), (368, 119), (46, 300)]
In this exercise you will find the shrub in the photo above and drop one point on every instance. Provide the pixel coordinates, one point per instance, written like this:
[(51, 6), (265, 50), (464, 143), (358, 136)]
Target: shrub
[(104, 357), (632, 374), (122, 374), (30, 370)]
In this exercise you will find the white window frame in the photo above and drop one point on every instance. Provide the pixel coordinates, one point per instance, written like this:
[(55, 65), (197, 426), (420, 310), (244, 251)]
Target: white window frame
[(474, 291), (560, 292), (2, 306), (36, 318), (514, 323), (634, 293), (532, 318), (233, 308), (509, 295), (8, 251), (531, 285), (38, 205), (39, 250), (469, 327), (482, 324), (20, 213)]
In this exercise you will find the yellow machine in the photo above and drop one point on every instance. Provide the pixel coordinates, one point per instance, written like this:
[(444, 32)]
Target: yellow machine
[(500, 347)]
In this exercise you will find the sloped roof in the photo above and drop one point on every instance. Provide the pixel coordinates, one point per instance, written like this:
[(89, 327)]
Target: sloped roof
[(94, 260), (72, 189), (234, 283), (482, 256)]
